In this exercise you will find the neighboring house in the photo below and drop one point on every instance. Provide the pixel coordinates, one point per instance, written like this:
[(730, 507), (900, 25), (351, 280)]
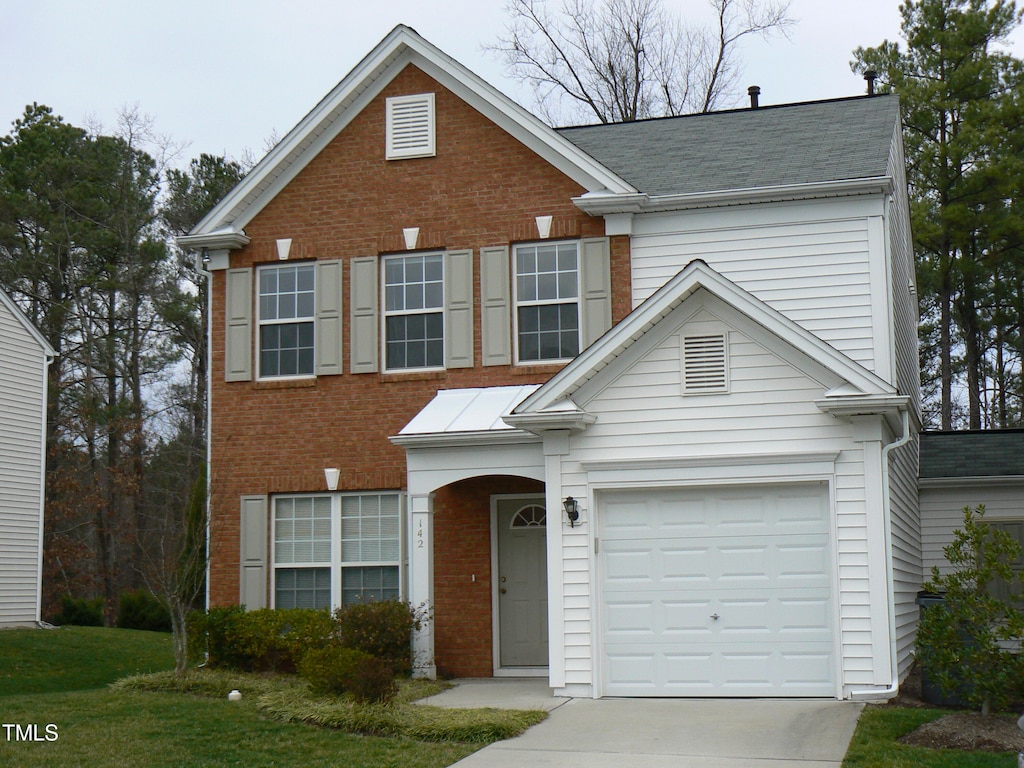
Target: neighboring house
[(437, 323), (968, 469), (24, 358)]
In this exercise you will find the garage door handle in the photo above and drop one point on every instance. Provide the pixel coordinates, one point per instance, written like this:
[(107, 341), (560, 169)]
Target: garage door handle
[(715, 616)]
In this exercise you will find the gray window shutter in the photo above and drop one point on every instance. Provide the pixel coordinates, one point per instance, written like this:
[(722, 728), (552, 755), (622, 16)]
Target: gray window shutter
[(328, 318), (238, 333), (496, 305), (458, 316), (364, 328), (253, 527), (596, 290)]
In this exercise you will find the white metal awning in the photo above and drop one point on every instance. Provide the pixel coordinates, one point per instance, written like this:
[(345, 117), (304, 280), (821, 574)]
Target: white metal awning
[(467, 415)]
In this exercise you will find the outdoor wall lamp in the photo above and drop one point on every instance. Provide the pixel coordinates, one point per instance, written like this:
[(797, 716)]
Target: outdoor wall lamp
[(331, 475), (572, 510)]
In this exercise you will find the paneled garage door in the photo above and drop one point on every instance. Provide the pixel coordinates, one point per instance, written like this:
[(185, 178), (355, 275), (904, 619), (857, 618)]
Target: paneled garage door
[(716, 592)]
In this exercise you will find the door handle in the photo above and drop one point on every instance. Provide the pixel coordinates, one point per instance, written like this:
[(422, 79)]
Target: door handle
[(715, 617), (503, 590)]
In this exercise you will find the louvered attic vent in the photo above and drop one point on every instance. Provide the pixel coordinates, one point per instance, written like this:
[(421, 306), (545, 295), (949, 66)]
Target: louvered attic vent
[(410, 126), (705, 364)]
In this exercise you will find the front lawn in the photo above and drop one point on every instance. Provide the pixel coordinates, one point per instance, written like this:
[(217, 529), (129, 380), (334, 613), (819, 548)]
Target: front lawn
[(57, 708), (875, 743)]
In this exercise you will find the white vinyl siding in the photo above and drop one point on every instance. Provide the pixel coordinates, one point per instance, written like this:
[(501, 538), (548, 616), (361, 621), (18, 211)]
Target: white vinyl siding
[(23, 407), (645, 428), (810, 262), (943, 502)]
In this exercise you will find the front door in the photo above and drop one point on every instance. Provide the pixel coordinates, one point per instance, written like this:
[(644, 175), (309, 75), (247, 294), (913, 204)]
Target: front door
[(521, 584)]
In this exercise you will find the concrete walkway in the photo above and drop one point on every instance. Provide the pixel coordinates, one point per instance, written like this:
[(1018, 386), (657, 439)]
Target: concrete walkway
[(659, 733)]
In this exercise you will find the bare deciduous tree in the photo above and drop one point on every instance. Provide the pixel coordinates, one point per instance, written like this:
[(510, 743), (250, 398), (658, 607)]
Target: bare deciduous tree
[(622, 60)]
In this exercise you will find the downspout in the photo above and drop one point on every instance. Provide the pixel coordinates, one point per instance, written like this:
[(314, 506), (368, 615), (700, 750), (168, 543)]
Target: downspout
[(48, 357), (894, 674), (201, 260)]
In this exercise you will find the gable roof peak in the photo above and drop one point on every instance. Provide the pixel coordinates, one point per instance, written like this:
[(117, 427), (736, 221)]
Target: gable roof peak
[(401, 47)]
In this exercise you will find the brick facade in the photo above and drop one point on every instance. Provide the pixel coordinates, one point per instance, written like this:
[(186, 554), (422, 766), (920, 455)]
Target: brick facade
[(483, 188)]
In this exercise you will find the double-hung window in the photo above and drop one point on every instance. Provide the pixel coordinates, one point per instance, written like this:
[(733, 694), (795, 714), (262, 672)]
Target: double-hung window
[(286, 320), (547, 301), (336, 549), (414, 311)]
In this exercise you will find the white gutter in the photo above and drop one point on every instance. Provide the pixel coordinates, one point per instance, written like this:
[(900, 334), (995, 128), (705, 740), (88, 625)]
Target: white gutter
[(894, 673), (603, 203)]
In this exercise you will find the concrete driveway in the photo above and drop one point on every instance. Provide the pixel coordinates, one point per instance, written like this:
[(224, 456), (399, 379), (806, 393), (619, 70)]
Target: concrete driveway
[(659, 733)]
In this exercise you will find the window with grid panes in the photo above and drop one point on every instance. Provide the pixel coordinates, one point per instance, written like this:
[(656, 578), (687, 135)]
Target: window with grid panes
[(547, 301), (287, 305), (302, 551), (336, 549), (414, 311)]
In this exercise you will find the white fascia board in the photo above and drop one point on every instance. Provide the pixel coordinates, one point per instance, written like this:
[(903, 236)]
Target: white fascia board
[(336, 110), (697, 274), (599, 204), (451, 439)]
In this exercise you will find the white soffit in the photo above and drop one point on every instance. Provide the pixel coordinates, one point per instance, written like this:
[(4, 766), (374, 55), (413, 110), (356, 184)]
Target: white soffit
[(467, 411)]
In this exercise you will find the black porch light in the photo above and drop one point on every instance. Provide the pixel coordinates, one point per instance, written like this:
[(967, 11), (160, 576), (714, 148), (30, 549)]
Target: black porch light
[(572, 510)]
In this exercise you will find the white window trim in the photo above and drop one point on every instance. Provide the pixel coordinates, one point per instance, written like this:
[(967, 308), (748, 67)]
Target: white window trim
[(427, 147), (336, 565), (385, 313), (578, 301), (257, 341)]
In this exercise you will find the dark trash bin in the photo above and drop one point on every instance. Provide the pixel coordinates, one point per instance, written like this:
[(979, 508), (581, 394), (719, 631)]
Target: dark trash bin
[(930, 691)]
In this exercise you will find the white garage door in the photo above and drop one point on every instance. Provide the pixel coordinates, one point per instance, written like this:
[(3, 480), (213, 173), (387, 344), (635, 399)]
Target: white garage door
[(716, 592)]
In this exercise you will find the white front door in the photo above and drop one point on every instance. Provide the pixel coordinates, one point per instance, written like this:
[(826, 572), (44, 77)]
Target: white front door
[(521, 582), (717, 592)]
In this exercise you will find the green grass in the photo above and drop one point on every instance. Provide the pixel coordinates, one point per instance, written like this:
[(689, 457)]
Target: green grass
[(875, 744), (62, 677), (115, 730), (77, 658)]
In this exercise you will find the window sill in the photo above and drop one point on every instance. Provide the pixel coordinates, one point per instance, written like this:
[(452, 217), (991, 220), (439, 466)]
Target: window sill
[(535, 369), (397, 376), (284, 383)]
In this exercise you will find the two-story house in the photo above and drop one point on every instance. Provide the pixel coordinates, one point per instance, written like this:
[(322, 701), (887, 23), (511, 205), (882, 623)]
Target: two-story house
[(630, 406)]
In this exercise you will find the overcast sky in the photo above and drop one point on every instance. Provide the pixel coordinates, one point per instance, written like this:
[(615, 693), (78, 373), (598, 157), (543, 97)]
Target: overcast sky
[(222, 76)]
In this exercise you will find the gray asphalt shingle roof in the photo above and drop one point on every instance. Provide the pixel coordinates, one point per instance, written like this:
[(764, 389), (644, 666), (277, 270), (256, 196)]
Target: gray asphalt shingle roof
[(989, 453), (748, 148)]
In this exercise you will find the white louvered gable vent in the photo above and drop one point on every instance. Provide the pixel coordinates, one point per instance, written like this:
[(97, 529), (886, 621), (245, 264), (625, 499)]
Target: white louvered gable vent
[(410, 126), (705, 364)]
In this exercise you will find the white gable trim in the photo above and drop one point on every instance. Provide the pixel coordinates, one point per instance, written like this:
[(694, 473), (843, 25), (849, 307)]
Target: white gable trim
[(694, 276), (15, 310), (336, 110)]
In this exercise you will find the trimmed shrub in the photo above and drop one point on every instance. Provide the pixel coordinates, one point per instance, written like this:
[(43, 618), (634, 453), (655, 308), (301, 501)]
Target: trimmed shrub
[(140, 609), (963, 644), (382, 629), (336, 670), (80, 611), (262, 640)]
